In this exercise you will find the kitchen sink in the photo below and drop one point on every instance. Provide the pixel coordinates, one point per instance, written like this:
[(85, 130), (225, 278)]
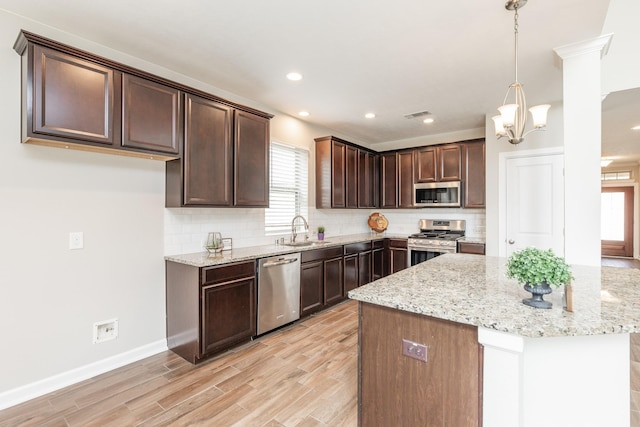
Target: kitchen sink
[(307, 243)]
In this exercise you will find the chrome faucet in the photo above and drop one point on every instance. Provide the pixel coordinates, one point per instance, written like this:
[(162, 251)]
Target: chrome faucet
[(294, 234)]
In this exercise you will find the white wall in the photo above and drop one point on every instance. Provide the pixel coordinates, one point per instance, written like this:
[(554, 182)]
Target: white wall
[(553, 136), (50, 296)]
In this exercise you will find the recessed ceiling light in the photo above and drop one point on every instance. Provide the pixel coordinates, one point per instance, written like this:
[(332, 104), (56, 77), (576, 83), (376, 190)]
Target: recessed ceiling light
[(370, 115), (636, 127), (303, 113), (429, 120), (294, 76)]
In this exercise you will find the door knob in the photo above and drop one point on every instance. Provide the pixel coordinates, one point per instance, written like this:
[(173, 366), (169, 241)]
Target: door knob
[(511, 241)]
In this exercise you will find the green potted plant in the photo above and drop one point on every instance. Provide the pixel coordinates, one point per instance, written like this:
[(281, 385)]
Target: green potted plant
[(321, 233), (538, 270)]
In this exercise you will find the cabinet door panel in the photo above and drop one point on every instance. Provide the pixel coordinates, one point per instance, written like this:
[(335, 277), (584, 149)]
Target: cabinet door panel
[(364, 268), (474, 175), (389, 180), (151, 115), (350, 273), (251, 153), (73, 98), (351, 177), (378, 267), (311, 287), (228, 314), (333, 281), (207, 154), (449, 162), (338, 176), (425, 164), (405, 179)]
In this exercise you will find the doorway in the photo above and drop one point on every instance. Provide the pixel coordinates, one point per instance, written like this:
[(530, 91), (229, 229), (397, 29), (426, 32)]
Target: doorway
[(617, 221), (533, 213)]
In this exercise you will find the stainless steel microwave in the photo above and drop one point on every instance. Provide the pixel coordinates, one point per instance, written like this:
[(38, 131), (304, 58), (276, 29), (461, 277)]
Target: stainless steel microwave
[(437, 194)]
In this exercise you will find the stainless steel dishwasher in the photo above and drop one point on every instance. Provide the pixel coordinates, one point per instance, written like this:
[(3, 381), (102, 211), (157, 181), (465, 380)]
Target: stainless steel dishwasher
[(278, 291)]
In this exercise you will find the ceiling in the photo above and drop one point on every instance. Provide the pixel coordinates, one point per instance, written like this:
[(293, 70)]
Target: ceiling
[(453, 59)]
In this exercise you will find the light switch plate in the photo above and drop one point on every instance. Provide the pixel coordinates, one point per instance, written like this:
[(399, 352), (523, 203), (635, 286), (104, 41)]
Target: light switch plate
[(414, 350)]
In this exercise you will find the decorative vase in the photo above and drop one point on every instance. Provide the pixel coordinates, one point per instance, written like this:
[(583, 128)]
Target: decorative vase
[(537, 293), (214, 242), (320, 236)]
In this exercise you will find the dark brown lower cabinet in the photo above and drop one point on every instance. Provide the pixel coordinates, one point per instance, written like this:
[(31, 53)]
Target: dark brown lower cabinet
[(311, 287), (471, 248), (321, 279), (357, 265), (351, 270), (377, 260), (209, 309), (395, 389), (398, 255)]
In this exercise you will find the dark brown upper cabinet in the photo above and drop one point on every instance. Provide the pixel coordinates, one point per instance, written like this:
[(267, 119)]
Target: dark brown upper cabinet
[(341, 180), (473, 175), (449, 162), (75, 99), (368, 179), (203, 177), (69, 99), (426, 164), (218, 141), (438, 163), (351, 177), (251, 154), (405, 179), (389, 180), (151, 115)]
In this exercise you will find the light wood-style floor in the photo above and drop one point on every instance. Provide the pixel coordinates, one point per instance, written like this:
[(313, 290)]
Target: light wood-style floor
[(303, 375), (620, 262)]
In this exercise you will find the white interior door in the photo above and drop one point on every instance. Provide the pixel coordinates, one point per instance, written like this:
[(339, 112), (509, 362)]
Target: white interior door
[(535, 203)]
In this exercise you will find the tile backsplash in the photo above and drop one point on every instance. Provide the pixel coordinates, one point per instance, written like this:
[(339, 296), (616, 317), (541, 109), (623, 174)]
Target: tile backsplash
[(186, 229)]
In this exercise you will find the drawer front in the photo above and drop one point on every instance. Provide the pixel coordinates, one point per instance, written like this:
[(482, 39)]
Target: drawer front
[(378, 244), (226, 273), (471, 248), (398, 243), (356, 248), (320, 254)]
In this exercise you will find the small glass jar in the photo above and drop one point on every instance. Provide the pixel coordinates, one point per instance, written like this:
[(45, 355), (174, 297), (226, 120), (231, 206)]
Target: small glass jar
[(214, 242)]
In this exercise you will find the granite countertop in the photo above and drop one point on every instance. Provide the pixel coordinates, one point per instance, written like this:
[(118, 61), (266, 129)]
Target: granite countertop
[(473, 239), (474, 290), (204, 259)]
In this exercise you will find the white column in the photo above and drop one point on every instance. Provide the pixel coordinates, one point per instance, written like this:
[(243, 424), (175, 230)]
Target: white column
[(582, 147)]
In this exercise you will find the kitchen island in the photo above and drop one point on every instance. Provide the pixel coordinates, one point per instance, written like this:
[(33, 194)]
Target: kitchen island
[(533, 367)]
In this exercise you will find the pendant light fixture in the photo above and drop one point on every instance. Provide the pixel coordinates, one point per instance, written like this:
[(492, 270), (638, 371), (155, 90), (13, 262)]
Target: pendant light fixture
[(513, 117)]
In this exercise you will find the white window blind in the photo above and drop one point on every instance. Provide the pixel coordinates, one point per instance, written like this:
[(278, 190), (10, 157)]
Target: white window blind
[(288, 188)]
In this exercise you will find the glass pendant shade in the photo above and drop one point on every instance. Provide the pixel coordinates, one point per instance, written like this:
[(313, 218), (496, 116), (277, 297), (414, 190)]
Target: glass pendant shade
[(508, 113), (539, 114), (497, 121)]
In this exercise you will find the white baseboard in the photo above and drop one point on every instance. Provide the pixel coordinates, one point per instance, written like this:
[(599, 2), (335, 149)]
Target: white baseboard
[(39, 388)]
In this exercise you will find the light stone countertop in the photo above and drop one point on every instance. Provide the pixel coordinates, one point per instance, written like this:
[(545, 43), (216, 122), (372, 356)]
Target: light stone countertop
[(204, 259), (473, 289), (473, 239)]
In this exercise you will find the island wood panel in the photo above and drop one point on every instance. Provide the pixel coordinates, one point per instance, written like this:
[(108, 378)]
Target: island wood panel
[(444, 391)]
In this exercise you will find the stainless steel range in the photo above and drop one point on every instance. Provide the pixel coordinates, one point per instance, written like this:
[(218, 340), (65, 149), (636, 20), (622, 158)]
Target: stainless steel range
[(436, 237)]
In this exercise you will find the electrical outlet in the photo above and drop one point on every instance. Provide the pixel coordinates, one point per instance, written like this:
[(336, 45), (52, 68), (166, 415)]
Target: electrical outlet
[(76, 240), (105, 331), (414, 350)]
